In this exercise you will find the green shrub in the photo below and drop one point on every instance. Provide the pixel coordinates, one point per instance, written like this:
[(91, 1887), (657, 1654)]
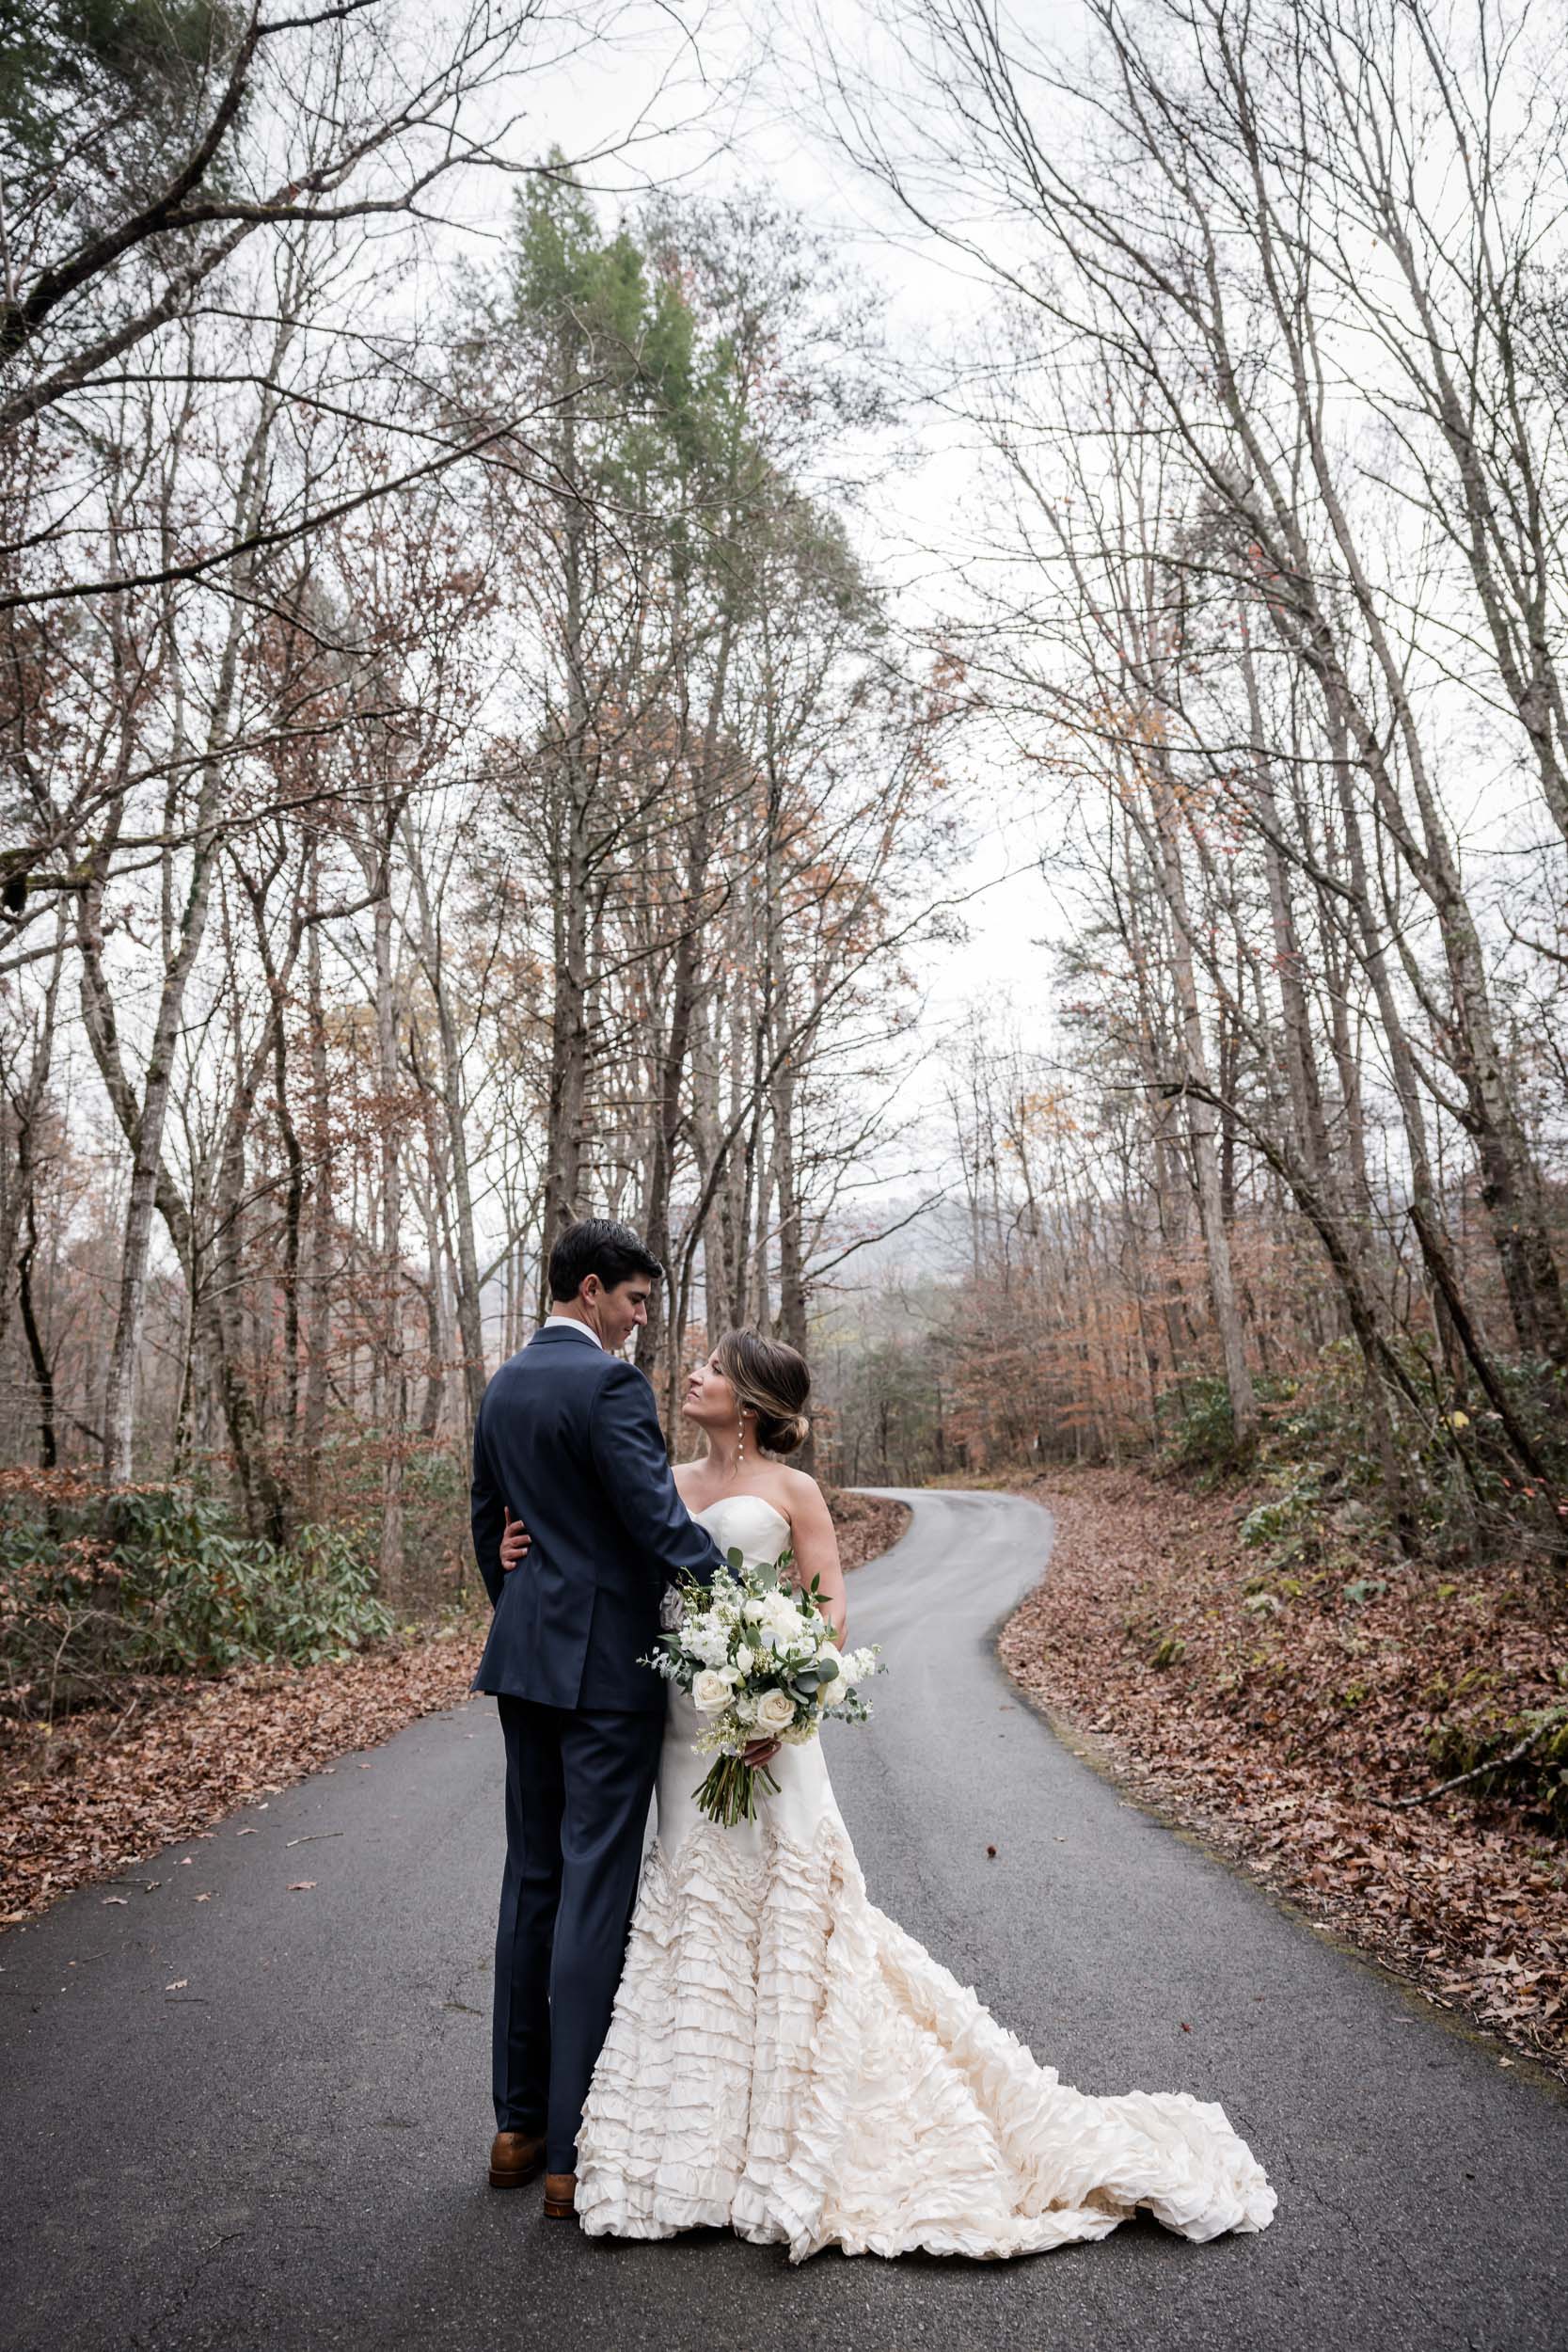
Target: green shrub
[(1281, 1515), (1197, 1430), (159, 1580), (1538, 1779), (1464, 1494)]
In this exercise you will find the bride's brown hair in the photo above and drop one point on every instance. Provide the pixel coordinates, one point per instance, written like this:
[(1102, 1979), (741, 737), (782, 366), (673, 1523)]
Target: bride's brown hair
[(770, 1380)]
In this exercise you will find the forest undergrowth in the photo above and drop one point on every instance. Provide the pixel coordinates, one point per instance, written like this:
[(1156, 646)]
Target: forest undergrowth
[(1382, 1738)]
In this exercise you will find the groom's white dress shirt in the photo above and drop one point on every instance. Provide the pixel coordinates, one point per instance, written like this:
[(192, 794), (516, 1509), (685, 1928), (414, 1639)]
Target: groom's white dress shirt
[(570, 1323)]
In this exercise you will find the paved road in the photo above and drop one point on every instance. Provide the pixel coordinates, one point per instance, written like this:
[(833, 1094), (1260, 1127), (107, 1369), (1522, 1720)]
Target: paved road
[(288, 2150)]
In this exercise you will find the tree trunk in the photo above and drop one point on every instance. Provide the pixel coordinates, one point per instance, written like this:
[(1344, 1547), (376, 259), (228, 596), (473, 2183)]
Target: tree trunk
[(1201, 1119), (318, 1309), (394, 1377)]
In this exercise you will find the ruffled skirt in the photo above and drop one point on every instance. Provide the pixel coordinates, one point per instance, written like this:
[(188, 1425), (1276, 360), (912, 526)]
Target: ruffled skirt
[(784, 2060)]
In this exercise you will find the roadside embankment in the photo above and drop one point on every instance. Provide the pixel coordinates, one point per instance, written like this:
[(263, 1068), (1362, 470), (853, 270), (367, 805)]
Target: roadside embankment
[(1300, 1718)]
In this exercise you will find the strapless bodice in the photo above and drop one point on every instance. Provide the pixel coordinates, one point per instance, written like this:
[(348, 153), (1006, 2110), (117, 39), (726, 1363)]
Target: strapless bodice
[(747, 1524)]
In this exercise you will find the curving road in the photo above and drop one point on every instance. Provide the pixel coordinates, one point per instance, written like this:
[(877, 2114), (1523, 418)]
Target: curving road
[(288, 2150)]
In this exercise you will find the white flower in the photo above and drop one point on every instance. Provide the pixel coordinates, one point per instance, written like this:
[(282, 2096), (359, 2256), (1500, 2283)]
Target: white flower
[(710, 1693), (775, 1711), (752, 1631)]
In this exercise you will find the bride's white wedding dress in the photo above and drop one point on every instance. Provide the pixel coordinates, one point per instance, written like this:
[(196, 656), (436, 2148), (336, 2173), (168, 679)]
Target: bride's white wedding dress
[(785, 2061)]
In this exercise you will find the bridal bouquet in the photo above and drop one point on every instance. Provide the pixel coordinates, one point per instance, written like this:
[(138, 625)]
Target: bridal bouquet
[(761, 1663)]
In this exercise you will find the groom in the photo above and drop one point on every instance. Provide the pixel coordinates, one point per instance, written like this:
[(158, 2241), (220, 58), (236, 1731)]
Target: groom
[(568, 1440)]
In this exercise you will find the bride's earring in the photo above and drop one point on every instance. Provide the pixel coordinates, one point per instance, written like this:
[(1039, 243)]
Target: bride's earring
[(740, 1445)]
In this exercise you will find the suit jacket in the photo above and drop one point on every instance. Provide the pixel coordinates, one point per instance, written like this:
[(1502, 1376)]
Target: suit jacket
[(567, 1435)]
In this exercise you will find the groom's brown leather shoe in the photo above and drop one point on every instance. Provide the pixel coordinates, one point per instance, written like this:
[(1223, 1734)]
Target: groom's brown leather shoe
[(514, 2157), (561, 2195)]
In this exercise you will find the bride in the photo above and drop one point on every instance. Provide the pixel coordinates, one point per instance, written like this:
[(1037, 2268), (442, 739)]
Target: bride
[(784, 2060)]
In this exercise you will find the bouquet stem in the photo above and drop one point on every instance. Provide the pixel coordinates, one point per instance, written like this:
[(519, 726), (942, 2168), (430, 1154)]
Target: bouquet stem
[(729, 1794)]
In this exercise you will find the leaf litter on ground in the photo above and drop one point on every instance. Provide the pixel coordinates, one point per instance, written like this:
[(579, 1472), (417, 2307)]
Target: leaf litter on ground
[(1287, 1738), (99, 1795)]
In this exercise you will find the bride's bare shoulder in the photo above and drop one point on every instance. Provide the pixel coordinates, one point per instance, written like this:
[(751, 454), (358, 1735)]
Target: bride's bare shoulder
[(795, 1489)]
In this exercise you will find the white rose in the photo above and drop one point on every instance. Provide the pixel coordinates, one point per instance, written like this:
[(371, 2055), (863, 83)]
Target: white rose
[(775, 1712), (743, 1658), (710, 1693)]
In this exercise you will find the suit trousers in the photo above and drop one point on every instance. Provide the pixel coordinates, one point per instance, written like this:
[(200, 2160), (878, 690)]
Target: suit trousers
[(579, 1785)]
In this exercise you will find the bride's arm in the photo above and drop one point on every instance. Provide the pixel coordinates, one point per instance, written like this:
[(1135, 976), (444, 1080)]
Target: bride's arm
[(815, 1542)]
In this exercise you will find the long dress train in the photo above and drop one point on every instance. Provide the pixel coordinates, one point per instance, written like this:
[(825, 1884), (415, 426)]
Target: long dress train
[(785, 2061)]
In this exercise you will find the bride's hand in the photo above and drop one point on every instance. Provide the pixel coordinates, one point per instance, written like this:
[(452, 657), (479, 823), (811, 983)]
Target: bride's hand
[(516, 1541)]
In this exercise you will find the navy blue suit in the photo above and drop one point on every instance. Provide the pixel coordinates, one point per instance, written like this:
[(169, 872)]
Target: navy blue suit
[(568, 1436)]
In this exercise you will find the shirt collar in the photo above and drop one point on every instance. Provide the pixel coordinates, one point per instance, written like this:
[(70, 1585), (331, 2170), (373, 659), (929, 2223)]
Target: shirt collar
[(570, 1323)]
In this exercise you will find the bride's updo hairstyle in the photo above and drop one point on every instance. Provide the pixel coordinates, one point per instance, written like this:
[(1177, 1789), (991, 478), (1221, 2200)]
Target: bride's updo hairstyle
[(770, 1380)]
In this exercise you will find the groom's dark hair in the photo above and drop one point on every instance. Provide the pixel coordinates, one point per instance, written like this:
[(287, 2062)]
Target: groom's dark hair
[(598, 1245)]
